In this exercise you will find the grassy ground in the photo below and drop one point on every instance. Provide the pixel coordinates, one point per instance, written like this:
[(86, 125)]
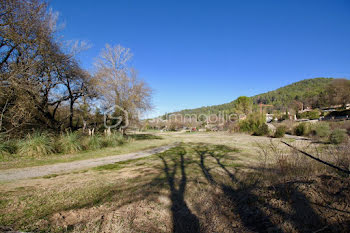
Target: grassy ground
[(211, 182)]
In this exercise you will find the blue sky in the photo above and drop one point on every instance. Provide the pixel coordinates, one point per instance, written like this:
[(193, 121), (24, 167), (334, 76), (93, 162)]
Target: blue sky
[(199, 53)]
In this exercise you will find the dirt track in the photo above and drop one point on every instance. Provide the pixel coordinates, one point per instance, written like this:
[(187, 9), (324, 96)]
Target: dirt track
[(30, 172)]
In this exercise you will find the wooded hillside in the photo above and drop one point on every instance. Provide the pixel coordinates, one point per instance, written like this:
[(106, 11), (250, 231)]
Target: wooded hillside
[(306, 91)]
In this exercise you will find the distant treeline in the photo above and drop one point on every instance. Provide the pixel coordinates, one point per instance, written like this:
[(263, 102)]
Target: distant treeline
[(314, 93)]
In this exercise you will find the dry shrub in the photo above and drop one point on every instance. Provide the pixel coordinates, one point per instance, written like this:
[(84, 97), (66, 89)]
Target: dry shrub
[(280, 131), (341, 155), (302, 129), (232, 127), (338, 136), (340, 125), (282, 163), (288, 124)]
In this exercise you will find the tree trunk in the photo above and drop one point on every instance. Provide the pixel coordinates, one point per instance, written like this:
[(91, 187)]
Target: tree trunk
[(71, 115)]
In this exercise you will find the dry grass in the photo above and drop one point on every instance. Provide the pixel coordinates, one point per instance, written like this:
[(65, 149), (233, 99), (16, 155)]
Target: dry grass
[(199, 186)]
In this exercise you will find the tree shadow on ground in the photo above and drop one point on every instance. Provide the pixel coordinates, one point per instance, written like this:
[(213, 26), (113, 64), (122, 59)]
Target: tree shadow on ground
[(243, 201), (182, 217), (251, 207), (247, 200)]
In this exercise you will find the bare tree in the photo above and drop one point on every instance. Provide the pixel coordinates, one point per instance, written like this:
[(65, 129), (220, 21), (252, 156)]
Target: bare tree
[(117, 82)]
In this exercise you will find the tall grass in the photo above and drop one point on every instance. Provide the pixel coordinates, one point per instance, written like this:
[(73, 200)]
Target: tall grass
[(37, 144), (97, 142), (94, 142), (114, 139), (8, 147), (41, 144), (69, 143)]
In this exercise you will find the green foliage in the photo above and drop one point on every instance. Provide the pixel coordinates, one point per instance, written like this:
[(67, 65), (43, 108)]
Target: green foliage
[(280, 132), (37, 144), (97, 142), (302, 91), (69, 143), (302, 129), (321, 129), (338, 136), (261, 130), (8, 147), (255, 124), (243, 104), (114, 139), (94, 142), (312, 115)]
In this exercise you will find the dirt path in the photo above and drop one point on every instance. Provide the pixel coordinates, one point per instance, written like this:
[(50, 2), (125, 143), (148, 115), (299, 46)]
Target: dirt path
[(30, 172)]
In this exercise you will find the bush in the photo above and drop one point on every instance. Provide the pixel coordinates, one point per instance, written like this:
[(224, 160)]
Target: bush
[(254, 124), (8, 147), (69, 143), (338, 136), (312, 115), (94, 143), (302, 129), (37, 144), (114, 139), (261, 130), (280, 131), (97, 141), (321, 130)]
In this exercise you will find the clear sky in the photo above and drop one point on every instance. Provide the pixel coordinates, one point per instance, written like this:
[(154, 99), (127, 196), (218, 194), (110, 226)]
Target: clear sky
[(199, 53)]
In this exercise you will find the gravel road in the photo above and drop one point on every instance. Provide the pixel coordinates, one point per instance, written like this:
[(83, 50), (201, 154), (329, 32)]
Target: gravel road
[(30, 172)]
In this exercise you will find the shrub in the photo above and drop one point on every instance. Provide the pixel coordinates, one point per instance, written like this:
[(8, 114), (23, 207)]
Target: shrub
[(338, 136), (302, 129), (8, 147), (341, 155), (114, 139), (37, 144), (321, 130), (94, 142), (312, 115), (280, 131), (261, 130), (97, 141), (69, 143), (254, 124)]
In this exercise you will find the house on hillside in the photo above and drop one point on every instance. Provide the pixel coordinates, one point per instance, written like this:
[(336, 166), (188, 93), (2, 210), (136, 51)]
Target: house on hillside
[(335, 107)]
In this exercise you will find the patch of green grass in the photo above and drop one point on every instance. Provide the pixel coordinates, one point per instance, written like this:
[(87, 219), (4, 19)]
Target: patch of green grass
[(50, 176), (233, 165), (144, 136), (114, 166), (118, 165)]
